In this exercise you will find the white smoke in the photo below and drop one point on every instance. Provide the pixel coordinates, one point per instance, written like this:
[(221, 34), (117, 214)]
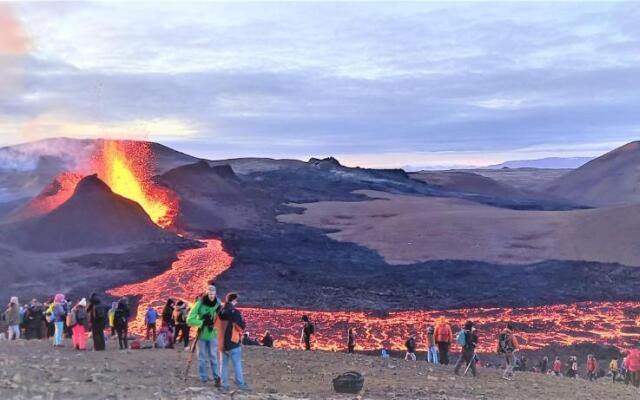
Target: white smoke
[(73, 153)]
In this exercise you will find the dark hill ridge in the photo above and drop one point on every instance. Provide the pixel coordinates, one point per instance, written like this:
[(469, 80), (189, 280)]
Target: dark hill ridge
[(93, 217), (611, 179)]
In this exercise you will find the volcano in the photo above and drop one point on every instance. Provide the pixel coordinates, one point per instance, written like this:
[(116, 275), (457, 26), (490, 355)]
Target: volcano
[(609, 180), (93, 217)]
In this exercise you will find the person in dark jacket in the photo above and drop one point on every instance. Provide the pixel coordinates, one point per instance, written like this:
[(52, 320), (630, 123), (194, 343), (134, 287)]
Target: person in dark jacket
[(167, 314), (121, 322), (267, 340), (411, 346), (307, 330), (180, 315), (468, 349), (231, 327), (351, 341), (98, 320)]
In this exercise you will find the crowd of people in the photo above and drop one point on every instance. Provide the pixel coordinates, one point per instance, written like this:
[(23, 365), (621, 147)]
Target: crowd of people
[(61, 318)]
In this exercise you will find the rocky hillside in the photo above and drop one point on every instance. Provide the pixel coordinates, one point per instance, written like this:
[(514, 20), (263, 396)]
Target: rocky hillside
[(34, 370)]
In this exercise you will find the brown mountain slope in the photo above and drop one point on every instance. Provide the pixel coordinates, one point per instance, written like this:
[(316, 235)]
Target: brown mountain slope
[(612, 179)]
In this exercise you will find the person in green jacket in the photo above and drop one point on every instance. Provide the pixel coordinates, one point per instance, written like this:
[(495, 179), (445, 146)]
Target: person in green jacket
[(203, 316)]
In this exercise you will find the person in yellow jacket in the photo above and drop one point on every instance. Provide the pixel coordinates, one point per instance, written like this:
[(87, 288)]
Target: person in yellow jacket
[(613, 367)]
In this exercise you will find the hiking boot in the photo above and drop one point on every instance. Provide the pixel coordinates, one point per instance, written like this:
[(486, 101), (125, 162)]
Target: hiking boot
[(244, 388), (216, 382)]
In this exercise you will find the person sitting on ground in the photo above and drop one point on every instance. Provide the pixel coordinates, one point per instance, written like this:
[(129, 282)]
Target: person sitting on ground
[(79, 325), (613, 368), (247, 341), (231, 326), (411, 346), (308, 329), (351, 341), (507, 345), (557, 367), (203, 316), (12, 319), (443, 336), (432, 349), (267, 340), (150, 319), (468, 355), (592, 367)]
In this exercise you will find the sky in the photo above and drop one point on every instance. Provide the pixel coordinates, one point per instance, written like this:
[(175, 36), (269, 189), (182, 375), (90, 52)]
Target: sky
[(373, 84)]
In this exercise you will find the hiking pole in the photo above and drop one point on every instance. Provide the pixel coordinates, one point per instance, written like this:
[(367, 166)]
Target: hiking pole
[(473, 359), (191, 351)]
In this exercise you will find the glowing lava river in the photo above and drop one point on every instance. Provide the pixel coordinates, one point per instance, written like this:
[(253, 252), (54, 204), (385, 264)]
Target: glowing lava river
[(565, 324)]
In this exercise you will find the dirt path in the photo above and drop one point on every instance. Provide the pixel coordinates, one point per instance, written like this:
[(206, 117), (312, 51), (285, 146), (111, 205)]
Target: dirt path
[(34, 370)]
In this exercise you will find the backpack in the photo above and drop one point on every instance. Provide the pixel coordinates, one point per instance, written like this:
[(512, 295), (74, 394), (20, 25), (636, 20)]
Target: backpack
[(461, 338), (504, 343), (164, 340), (119, 317), (349, 382), (49, 314), (309, 329), (99, 315), (135, 345), (71, 318)]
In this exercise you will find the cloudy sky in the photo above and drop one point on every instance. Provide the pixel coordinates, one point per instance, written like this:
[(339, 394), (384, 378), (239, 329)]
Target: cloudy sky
[(374, 84)]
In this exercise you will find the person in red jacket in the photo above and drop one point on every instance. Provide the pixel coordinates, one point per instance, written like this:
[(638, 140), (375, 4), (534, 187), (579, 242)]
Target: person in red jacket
[(443, 336), (632, 363), (557, 367), (592, 367)]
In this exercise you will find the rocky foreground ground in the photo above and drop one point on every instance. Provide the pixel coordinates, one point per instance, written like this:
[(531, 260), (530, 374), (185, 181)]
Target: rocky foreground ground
[(35, 370)]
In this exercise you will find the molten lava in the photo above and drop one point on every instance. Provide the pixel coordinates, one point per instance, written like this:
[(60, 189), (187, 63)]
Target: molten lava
[(50, 198), (566, 324), (126, 167)]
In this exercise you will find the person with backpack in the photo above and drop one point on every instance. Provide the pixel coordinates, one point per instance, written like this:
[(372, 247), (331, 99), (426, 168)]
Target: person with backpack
[(267, 339), (98, 320), (150, 318), (557, 367), (34, 318), (468, 340), (231, 327), (12, 319), (79, 322), (592, 367), (432, 349), (59, 316), (411, 346), (121, 323), (351, 341), (203, 316), (613, 368), (507, 345), (443, 336), (180, 314), (308, 329)]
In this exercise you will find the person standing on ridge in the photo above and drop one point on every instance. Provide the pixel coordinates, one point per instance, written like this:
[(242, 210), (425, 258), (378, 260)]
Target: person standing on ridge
[(432, 349), (351, 341), (150, 318), (507, 345), (232, 326), (443, 336), (203, 316), (308, 329), (121, 322), (98, 319), (468, 354)]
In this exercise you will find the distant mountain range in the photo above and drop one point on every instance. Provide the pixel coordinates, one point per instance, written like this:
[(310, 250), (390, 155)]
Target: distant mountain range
[(549, 162)]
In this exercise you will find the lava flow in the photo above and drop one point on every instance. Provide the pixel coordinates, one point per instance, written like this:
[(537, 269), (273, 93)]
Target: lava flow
[(566, 324), (184, 280), (126, 167)]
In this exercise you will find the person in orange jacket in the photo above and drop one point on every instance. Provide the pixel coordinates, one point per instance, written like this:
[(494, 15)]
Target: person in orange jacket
[(443, 336)]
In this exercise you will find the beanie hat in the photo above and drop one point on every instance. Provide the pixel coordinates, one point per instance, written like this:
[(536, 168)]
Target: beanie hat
[(231, 297), (59, 298)]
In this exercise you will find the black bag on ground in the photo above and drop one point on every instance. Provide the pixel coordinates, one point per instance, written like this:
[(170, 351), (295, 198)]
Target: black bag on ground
[(349, 382)]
